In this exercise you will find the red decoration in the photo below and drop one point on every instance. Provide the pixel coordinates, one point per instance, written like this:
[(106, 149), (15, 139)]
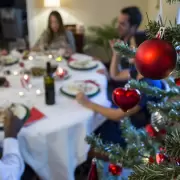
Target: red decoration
[(151, 160), (115, 170), (93, 174), (177, 81), (151, 131), (162, 132), (21, 64), (155, 59), (126, 98), (160, 158), (4, 52)]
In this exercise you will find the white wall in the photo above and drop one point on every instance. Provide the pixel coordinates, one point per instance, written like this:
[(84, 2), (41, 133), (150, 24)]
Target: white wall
[(87, 12)]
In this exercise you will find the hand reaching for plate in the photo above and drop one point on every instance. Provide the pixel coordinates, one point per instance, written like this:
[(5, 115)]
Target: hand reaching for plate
[(82, 99), (12, 124)]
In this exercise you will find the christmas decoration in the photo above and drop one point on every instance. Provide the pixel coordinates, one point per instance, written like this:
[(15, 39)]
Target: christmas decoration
[(177, 81), (151, 160), (21, 64), (115, 169), (93, 174), (155, 59), (151, 131), (126, 98), (160, 158), (158, 120)]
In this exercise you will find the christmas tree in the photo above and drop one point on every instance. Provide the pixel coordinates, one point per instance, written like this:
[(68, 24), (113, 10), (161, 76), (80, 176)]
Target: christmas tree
[(153, 152)]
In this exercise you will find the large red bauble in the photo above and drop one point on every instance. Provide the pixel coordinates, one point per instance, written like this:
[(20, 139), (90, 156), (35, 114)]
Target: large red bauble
[(115, 170), (126, 98), (177, 81), (155, 59)]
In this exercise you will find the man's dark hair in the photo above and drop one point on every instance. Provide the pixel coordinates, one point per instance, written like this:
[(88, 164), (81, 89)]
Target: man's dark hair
[(135, 16)]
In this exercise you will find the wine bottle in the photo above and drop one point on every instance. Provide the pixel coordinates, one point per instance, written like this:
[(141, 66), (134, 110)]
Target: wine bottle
[(49, 86)]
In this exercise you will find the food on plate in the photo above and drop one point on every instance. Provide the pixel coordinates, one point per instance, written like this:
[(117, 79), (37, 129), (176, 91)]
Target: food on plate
[(8, 60), (38, 71)]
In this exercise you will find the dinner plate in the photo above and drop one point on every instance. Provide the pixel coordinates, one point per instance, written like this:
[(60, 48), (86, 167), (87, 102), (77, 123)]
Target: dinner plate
[(20, 111), (82, 64), (9, 60), (73, 88)]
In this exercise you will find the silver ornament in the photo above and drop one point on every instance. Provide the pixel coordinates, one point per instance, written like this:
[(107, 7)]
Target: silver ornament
[(158, 120)]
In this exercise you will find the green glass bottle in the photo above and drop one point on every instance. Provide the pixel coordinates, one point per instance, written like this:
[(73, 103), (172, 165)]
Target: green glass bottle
[(49, 86)]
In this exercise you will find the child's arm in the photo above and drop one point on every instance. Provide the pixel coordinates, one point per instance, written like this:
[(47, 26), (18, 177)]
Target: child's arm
[(110, 113)]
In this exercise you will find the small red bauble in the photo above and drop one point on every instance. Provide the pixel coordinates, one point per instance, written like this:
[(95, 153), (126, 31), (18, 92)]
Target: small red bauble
[(151, 160), (126, 98), (115, 170), (155, 59), (160, 158), (21, 64), (151, 131), (177, 81)]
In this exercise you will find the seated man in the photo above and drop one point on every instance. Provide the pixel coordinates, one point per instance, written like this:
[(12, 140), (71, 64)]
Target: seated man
[(11, 164)]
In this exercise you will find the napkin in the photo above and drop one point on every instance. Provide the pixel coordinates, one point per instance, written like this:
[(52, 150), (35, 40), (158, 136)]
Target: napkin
[(71, 59), (35, 115)]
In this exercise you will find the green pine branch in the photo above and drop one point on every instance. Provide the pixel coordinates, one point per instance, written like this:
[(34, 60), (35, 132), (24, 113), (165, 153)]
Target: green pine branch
[(172, 144), (155, 172), (172, 1)]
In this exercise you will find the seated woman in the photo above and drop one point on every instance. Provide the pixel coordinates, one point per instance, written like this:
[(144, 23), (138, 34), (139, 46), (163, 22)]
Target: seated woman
[(55, 36), (110, 131)]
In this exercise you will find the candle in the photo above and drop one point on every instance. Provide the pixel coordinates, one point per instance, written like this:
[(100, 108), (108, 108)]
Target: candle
[(15, 73), (50, 56), (60, 72), (21, 94), (38, 92), (26, 78), (30, 58)]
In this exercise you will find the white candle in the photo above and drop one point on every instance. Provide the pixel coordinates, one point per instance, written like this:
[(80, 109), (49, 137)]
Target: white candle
[(50, 56), (38, 92), (21, 93), (30, 58)]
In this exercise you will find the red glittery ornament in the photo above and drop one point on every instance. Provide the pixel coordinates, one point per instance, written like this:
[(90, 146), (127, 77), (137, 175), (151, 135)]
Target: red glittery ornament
[(126, 98), (155, 59), (115, 169), (160, 158), (93, 174), (151, 160), (151, 131), (21, 64), (177, 81)]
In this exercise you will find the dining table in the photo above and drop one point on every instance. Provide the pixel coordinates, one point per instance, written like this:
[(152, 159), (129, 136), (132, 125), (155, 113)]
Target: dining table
[(55, 145)]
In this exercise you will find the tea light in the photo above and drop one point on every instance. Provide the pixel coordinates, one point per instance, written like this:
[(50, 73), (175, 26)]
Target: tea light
[(38, 92), (15, 73), (30, 58), (26, 78), (60, 72), (50, 56), (21, 94)]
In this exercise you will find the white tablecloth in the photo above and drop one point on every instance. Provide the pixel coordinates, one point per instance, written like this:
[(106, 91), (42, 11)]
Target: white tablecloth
[(55, 146)]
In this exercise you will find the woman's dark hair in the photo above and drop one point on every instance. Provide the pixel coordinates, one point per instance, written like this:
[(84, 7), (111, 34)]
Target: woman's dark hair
[(61, 30), (135, 16)]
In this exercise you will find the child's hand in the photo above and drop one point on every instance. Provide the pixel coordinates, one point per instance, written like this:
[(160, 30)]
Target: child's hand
[(82, 99)]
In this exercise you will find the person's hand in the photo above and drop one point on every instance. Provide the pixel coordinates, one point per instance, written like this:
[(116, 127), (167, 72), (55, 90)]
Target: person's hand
[(112, 43), (82, 99), (12, 124)]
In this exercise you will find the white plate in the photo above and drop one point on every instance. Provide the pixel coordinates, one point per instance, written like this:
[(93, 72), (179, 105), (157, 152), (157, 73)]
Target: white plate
[(73, 88), (83, 64), (18, 110), (9, 59)]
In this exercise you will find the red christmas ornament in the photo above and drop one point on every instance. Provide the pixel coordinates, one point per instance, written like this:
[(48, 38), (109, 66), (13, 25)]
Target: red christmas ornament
[(151, 160), (155, 59), (151, 131), (21, 64), (115, 170), (160, 158), (177, 81), (126, 98), (93, 174)]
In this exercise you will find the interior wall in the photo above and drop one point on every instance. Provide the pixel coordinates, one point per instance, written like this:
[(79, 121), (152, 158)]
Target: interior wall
[(86, 12)]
